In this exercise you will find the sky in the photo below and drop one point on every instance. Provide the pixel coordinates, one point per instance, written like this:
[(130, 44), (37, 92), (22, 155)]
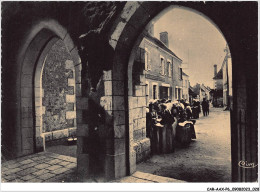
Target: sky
[(194, 39)]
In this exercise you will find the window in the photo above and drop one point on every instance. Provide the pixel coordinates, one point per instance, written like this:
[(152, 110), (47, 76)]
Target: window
[(147, 92), (180, 73), (155, 90), (169, 68), (147, 59), (162, 66)]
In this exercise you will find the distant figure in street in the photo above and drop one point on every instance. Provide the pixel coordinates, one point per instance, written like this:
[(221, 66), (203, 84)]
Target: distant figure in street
[(207, 110), (204, 106)]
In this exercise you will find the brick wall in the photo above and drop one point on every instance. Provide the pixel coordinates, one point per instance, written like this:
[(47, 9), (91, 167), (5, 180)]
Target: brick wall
[(58, 84)]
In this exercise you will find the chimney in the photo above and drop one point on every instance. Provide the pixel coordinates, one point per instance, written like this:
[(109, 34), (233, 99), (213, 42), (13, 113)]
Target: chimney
[(150, 29), (215, 70), (164, 38)]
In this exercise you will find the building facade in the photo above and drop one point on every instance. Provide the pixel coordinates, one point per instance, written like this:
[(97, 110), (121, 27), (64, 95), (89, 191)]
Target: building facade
[(156, 74), (185, 86), (217, 87), (162, 69)]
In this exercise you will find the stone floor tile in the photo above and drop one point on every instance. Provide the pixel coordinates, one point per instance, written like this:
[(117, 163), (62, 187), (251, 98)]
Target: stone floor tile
[(54, 161), (35, 180), (46, 176), (71, 165), (28, 177), (59, 171), (28, 165), (42, 166), (54, 167), (64, 163), (11, 171), (10, 177), (26, 161), (27, 171), (41, 172), (13, 165)]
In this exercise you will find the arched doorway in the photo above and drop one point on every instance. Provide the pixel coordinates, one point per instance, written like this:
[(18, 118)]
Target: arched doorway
[(40, 42), (126, 33)]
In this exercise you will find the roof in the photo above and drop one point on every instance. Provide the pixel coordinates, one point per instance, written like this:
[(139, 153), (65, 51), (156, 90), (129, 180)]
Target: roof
[(160, 44), (185, 74), (219, 75)]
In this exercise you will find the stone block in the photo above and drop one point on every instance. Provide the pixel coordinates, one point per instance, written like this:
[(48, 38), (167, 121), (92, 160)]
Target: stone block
[(135, 124), (120, 168), (118, 87), (138, 134), (115, 146), (26, 92), (38, 101), (106, 102), (119, 131), (108, 88), (70, 98), (38, 111), (107, 75), (38, 92), (43, 110), (27, 132), (26, 101), (119, 117), (75, 56), (83, 166), (146, 144), (141, 101), (70, 114), (82, 103), (59, 134), (139, 91), (118, 103), (27, 122), (26, 81), (144, 132), (71, 82), (131, 132), (70, 107), (69, 64), (27, 143), (138, 113), (82, 130), (78, 90), (141, 123), (135, 102), (144, 112), (129, 9), (132, 161)]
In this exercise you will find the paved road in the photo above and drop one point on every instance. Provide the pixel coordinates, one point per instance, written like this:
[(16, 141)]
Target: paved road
[(207, 159)]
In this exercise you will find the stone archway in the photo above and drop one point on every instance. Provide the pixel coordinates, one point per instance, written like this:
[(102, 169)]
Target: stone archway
[(42, 38), (133, 19)]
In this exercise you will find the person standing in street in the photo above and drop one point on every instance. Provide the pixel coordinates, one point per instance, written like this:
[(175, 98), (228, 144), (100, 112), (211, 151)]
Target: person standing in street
[(207, 112), (204, 106)]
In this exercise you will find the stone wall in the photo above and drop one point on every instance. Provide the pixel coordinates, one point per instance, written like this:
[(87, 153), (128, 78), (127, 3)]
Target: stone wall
[(141, 142), (58, 87)]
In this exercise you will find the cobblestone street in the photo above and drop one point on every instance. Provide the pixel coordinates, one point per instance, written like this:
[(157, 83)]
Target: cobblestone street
[(207, 159)]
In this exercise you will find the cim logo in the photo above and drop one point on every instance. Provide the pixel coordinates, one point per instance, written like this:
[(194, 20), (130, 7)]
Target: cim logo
[(245, 164)]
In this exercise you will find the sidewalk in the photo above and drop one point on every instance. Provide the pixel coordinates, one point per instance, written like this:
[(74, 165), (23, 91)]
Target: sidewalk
[(51, 167)]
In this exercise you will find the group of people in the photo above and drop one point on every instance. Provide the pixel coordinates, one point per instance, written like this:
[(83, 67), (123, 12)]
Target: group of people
[(205, 107), (166, 112)]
